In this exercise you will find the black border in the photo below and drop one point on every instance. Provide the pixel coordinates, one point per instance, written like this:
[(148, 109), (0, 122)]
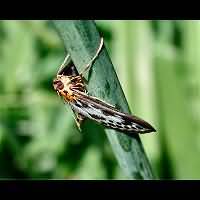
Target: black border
[(103, 189), (149, 10)]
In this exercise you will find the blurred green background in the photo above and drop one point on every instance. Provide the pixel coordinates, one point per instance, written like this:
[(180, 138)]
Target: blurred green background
[(158, 65)]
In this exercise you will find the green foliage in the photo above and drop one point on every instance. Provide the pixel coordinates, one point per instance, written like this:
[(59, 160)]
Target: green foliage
[(157, 63), (79, 38)]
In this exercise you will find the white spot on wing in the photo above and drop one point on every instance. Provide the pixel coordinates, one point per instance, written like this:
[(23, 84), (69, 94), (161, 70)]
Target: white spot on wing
[(128, 126), (92, 110), (134, 126), (80, 110)]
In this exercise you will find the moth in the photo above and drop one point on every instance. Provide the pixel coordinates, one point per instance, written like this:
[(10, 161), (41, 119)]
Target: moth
[(71, 86)]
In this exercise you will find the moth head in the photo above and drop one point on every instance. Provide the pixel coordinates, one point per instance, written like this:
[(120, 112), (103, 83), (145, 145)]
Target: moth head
[(58, 85)]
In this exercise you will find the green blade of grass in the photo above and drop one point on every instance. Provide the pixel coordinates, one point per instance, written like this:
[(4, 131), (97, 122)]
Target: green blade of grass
[(81, 40)]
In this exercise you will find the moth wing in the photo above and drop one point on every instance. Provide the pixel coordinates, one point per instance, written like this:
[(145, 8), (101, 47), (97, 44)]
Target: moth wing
[(98, 110)]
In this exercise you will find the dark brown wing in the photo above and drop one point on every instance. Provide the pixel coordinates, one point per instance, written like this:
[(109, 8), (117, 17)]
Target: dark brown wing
[(107, 115)]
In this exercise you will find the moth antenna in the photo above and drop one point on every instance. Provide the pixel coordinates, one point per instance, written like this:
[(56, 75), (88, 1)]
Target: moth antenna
[(63, 64), (94, 58)]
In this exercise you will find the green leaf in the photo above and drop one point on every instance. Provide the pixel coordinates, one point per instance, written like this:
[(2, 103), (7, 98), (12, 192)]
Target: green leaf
[(81, 39)]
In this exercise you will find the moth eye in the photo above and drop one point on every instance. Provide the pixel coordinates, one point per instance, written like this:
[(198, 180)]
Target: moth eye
[(58, 85)]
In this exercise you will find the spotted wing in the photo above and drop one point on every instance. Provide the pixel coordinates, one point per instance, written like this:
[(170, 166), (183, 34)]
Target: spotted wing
[(103, 113)]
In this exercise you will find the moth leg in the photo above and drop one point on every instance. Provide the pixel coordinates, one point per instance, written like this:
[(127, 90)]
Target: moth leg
[(66, 60), (93, 59), (78, 119)]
